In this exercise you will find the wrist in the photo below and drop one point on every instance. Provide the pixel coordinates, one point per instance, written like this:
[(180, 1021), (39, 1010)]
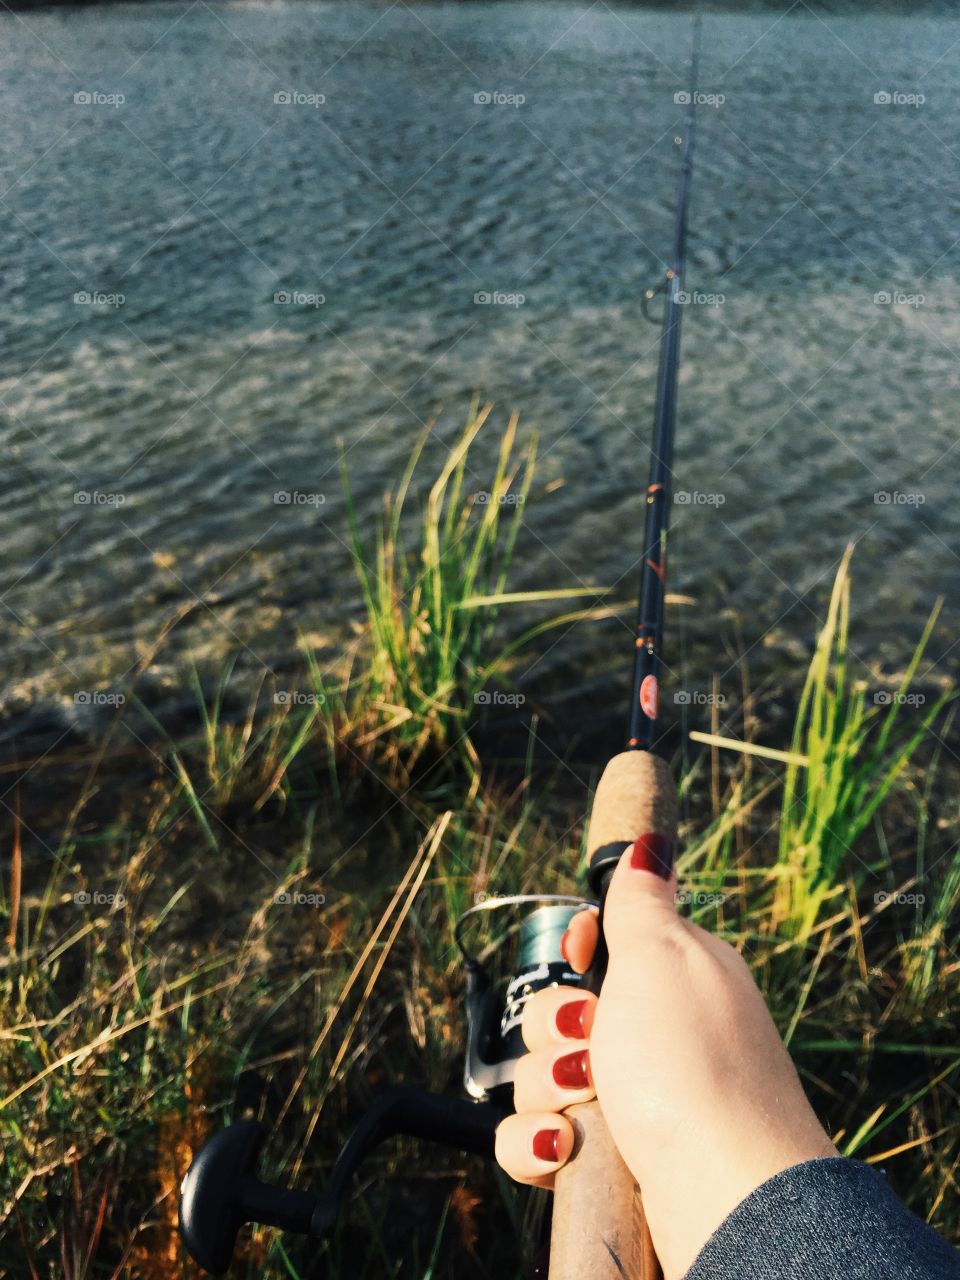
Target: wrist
[(687, 1202)]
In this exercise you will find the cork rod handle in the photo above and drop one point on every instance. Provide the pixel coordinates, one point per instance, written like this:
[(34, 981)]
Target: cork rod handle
[(599, 1227)]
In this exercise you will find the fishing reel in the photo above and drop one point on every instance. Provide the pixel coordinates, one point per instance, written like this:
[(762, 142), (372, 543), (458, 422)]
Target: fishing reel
[(221, 1191), (495, 1004)]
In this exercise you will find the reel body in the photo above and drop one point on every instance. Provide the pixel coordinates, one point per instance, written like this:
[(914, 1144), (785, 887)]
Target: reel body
[(494, 1015)]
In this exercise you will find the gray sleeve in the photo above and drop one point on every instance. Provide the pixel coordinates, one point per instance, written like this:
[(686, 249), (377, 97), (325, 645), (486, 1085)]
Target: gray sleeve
[(831, 1219)]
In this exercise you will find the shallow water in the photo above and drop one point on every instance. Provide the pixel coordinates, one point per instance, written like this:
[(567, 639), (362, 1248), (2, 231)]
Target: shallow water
[(185, 407)]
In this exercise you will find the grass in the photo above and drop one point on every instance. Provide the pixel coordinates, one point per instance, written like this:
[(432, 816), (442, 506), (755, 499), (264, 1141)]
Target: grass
[(429, 654), (854, 758), (253, 914), (426, 663)]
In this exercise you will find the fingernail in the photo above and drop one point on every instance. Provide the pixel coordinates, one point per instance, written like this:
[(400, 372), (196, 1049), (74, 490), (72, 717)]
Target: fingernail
[(653, 853), (570, 1071), (546, 1144), (563, 946), (570, 1020)]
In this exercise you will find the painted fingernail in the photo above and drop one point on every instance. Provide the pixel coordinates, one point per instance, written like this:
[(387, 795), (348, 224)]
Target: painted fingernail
[(570, 1020), (546, 1144), (653, 853), (563, 946), (570, 1071)]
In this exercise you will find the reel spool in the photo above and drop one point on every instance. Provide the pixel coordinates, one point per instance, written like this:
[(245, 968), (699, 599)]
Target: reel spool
[(495, 999)]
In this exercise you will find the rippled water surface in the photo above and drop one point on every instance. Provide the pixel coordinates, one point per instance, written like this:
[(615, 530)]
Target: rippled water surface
[(195, 396)]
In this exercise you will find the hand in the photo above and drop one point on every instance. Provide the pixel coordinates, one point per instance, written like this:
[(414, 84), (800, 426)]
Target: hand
[(696, 1086)]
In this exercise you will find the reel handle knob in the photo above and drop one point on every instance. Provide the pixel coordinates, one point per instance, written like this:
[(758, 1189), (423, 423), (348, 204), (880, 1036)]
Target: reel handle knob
[(221, 1192)]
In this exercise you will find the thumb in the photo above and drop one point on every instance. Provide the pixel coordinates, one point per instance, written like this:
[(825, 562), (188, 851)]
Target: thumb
[(641, 899)]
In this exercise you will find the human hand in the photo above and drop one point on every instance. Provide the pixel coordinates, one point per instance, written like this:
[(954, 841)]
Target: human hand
[(695, 1084)]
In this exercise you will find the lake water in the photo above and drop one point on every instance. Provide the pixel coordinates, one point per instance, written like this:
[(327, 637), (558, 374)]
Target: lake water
[(222, 155)]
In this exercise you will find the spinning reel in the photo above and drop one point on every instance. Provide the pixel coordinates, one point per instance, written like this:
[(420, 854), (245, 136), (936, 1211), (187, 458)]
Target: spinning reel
[(221, 1191)]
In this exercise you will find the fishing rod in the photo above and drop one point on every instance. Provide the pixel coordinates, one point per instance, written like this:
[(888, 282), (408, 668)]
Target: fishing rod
[(648, 650), (598, 1227)]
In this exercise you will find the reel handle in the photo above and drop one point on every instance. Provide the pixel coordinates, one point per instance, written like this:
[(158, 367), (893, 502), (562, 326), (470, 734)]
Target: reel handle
[(599, 1228), (221, 1191)]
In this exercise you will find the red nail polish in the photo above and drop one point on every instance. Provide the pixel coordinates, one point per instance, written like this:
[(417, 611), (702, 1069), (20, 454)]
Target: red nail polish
[(563, 946), (570, 1071), (653, 853), (570, 1020), (546, 1144)]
